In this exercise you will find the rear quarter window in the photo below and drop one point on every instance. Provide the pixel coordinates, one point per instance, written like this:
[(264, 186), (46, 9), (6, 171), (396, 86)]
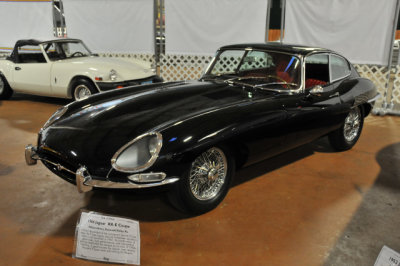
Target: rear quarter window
[(339, 67)]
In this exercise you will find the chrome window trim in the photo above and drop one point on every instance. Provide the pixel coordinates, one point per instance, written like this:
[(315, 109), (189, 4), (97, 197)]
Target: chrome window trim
[(142, 167), (329, 54), (330, 67), (312, 54)]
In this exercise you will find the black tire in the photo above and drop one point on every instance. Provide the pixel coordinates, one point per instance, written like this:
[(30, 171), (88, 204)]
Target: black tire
[(5, 90), (81, 89), (348, 134), (206, 182)]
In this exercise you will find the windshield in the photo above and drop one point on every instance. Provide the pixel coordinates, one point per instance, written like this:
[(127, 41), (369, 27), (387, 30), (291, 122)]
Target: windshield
[(64, 50), (257, 68)]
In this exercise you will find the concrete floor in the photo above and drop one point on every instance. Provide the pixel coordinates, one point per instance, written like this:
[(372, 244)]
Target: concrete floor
[(310, 206)]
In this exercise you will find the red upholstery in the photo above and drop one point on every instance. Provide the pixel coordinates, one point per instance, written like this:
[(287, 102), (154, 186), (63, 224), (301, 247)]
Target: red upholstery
[(314, 82), (285, 76)]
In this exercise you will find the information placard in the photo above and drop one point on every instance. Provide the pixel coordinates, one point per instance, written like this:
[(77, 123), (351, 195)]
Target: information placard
[(107, 238), (388, 257)]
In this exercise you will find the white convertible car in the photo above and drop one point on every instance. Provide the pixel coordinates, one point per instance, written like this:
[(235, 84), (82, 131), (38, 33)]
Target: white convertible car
[(66, 68)]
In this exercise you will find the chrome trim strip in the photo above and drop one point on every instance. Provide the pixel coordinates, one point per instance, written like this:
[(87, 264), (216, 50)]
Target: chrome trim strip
[(31, 158), (377, 96), (110, 184), (85, 183), (141, 167), (59, 166)]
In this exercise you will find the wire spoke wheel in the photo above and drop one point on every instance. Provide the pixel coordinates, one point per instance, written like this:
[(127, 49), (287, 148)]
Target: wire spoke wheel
[(82, 92), (345, 137), (352, 125), (208, 174)]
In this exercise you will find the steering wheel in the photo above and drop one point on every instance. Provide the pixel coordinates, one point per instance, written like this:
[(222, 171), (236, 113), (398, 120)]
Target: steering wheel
[(77, 54), (285, 83)]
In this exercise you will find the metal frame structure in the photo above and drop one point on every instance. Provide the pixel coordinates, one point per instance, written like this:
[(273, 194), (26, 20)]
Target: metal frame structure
[(59, 25), (388, 97), (159, 33), (283, 16)]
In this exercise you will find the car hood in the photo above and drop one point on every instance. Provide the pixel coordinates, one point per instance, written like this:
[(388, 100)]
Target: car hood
[(148, 108), (99, 126), (126, 69)]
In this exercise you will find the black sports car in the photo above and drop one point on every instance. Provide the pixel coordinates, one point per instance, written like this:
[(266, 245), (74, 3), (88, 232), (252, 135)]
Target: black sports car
[(253, 102)]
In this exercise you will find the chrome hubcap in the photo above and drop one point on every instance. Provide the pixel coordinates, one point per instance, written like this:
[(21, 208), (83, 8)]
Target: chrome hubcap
[(82, 92), (352, 125), (207, 174)]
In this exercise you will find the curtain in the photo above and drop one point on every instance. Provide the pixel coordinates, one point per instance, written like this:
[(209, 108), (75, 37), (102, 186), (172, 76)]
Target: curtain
[(24, 20), (112, 26), (202, 26), (361, 30)]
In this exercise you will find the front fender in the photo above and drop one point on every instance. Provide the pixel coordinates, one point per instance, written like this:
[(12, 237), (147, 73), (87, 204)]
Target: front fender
[(63, 75), (235, 128), (6, 70)]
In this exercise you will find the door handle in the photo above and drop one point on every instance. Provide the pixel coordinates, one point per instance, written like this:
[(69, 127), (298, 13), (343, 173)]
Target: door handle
[(17, 68)]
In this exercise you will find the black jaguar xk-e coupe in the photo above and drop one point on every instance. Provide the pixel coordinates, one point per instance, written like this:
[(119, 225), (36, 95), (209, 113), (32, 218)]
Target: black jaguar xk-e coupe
[(253, 102)]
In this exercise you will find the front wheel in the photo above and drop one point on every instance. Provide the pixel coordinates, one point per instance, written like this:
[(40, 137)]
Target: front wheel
[(206, 182), (5, 89), (347, 135), (82, 89)]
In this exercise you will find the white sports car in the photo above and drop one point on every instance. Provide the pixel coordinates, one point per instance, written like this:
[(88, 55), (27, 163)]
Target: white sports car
[(66, 68)]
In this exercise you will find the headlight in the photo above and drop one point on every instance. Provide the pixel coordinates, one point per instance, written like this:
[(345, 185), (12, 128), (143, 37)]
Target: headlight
[(57, 115), (113, 75), (138, 154)]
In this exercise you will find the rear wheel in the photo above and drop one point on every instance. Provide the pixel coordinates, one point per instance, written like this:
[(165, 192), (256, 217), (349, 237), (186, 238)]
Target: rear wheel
[(206, 182), (5, 89), (347, 135), (82, 89)]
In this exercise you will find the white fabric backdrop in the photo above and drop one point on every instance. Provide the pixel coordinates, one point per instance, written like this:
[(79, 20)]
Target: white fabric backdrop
[(359, 29), (24, 20), (112, 26), (202, 26)]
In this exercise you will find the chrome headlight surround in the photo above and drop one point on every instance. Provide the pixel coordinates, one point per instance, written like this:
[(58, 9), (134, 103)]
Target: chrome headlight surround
[(113, 75), (54, 117), (127, 158)]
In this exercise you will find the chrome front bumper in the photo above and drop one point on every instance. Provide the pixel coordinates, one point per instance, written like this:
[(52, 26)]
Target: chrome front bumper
[(85, 182)]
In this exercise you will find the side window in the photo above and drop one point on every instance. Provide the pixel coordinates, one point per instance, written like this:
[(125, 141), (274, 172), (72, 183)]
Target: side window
[(339, 67), (30, 54), (317, 70), (54, 52)]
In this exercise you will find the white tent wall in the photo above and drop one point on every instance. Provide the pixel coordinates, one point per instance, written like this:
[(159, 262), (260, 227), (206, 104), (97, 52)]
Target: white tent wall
[(118, 26), (361, 30), (200, 27), (24, 20)]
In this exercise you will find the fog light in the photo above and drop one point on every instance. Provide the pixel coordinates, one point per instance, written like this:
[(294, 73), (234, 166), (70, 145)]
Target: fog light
[(147, 177)]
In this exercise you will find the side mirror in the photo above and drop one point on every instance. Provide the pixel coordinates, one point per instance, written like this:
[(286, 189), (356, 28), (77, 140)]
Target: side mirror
[(317, 90)]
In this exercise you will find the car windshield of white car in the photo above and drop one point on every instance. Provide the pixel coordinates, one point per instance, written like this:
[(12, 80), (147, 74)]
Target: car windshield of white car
[(64, 50), (262, 69)]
